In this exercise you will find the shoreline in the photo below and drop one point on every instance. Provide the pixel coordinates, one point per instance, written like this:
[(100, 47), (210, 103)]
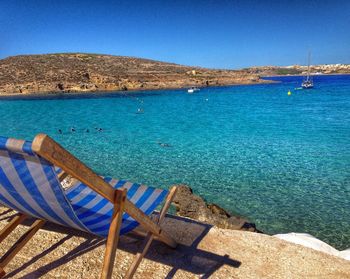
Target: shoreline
[(143, 90), (175, 93), (121, 92)]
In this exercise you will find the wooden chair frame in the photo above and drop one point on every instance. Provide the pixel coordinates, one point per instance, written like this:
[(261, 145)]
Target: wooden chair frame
[(57, 155)]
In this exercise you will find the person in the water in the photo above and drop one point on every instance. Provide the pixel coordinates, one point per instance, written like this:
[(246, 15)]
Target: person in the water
[(140, 111), (59, 131), (87, 130), (164, 144), (72, 129)]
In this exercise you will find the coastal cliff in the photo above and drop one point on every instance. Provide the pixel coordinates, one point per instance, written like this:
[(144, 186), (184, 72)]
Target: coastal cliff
[(79, 72)]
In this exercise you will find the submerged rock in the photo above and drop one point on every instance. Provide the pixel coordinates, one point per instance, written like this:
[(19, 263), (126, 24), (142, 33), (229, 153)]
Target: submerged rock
[(192, 206)]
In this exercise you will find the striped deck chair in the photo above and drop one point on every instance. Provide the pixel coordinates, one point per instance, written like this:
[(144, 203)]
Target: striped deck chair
[(30, 183)]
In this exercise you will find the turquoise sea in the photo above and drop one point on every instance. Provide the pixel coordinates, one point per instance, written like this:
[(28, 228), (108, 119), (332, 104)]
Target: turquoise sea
[(281, 161)]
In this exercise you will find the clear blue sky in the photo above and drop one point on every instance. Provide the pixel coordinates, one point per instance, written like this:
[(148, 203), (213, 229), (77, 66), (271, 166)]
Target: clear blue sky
[(218, 34)]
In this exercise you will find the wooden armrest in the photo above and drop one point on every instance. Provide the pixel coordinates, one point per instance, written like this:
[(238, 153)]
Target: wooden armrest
[(47, 148)]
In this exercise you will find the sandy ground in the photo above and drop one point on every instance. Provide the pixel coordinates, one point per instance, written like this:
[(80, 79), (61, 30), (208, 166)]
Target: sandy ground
[(204, 251)]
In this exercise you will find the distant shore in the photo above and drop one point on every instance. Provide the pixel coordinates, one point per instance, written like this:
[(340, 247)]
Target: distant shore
[(120, 92), (41, 94), (302, 75), (67, 73)]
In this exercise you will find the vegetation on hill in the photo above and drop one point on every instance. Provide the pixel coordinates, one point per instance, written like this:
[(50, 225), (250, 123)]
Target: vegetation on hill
[(288, 71)]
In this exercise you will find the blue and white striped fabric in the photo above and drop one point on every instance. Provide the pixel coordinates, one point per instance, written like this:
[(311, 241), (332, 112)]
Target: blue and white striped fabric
[(29, 184), (95, 211)]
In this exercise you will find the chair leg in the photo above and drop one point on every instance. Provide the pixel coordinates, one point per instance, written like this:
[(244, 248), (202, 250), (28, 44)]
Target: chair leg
[(113, 234), (20, 243), (168, 201), (11, 226), (150, 236), (139, 257)]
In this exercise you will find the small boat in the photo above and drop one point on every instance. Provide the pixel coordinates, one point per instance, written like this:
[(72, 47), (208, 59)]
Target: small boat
[(307, 82), (193, 89)]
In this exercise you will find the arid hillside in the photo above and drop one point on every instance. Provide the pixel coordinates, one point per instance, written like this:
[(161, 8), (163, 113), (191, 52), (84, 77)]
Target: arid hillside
[(78, 72)]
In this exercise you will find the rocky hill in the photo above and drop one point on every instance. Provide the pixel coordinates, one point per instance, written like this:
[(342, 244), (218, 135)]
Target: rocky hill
[(79, 72)]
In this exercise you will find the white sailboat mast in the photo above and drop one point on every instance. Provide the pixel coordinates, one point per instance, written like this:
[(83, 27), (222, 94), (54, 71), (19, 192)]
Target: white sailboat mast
[(308, 66)]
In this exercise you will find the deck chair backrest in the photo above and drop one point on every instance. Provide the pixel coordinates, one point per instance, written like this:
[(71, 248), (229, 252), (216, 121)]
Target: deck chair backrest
[(29, 184)]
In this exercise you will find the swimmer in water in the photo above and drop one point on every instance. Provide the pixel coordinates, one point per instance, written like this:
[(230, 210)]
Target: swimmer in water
[(140, 111), (99, 129), (59, 131), (72, 129), (163, 144), (87, 130)]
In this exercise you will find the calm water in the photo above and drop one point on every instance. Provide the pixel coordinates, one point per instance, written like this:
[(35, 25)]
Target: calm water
[(282, 161)]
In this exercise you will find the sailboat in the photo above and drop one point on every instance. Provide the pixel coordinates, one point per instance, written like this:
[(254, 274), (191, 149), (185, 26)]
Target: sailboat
[(307, 82)]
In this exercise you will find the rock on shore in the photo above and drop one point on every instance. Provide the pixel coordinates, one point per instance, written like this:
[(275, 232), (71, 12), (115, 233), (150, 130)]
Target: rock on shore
[(194, 207)]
